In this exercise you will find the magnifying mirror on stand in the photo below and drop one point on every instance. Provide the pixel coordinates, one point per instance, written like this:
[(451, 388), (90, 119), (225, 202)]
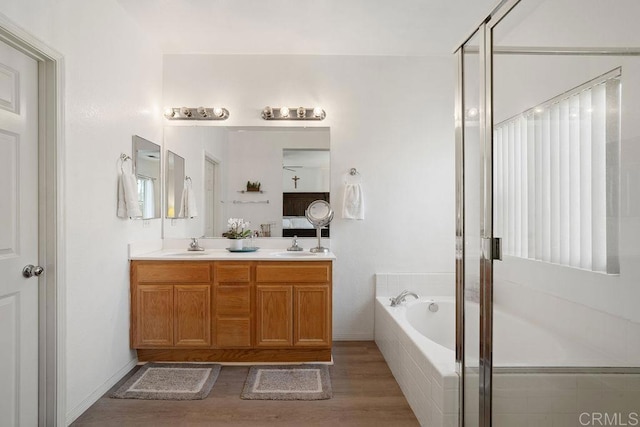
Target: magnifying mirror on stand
[(319, 214)]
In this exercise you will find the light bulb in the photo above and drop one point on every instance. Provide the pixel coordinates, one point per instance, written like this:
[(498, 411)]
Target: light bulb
[(218, 112), (284, 112), (185, 112), (169, 113), (317, 112), (203, 112), (302, 112), (267, 113)]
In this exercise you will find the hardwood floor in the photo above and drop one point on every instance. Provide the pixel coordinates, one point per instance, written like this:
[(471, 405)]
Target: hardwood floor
[(364, 394)]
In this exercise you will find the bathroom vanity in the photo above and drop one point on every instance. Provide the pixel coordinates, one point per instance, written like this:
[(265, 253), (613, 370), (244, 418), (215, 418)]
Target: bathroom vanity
[(218, 306)]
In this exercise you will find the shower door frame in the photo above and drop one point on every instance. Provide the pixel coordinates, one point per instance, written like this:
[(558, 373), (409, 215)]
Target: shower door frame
[(487, 255)]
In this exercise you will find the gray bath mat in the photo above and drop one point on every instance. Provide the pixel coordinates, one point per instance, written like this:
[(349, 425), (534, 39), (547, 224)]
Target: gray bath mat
[(170, 381), (298, 382)]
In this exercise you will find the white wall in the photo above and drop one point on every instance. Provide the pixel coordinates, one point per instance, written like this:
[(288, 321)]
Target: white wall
[(112, 76), (390, 117)]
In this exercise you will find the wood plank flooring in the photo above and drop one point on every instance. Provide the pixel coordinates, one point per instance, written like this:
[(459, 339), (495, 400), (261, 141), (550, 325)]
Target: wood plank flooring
[(364, 394)]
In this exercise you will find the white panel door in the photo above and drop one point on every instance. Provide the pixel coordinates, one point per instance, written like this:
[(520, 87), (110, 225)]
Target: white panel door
[(18, 238)]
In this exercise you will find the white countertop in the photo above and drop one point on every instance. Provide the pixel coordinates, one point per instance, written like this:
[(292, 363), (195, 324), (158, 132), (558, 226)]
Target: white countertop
[(224, 255)]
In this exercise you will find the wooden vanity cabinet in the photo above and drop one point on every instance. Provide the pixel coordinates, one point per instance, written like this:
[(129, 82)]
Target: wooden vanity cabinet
[(293, 304), (171, 304), (231, 311)]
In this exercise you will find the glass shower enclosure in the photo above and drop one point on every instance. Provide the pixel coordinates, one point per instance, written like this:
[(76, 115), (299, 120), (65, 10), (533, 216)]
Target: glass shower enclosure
[(548, 215)]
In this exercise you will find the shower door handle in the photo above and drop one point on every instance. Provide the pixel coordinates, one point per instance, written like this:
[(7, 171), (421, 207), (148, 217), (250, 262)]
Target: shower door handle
[(492, 248), (496, 248)]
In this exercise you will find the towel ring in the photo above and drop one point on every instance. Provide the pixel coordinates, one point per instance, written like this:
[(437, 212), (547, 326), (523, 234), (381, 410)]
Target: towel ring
[(123, 158), (353, 172)]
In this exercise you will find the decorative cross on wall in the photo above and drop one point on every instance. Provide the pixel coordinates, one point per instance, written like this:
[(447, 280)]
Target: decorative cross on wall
[(295, 181)]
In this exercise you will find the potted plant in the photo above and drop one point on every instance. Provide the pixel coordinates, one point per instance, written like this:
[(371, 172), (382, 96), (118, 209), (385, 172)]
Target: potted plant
[(253, 186), (238, 230)]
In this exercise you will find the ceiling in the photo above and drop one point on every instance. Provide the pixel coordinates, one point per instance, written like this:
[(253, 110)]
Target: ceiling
[(305, 27)]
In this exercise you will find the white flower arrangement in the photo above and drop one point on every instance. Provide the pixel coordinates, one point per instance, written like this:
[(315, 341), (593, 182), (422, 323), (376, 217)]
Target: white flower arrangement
[(237, 229)]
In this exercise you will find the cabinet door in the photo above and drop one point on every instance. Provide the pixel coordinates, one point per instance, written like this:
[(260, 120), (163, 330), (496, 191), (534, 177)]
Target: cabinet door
[(312, 316), (154, 316), (274, 316), (192, 314)]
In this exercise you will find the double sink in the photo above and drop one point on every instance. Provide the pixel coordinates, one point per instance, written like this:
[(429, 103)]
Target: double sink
[(284, 254)]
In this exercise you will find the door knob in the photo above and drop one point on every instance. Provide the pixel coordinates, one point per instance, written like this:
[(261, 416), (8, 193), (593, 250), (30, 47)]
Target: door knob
[(32, 270)]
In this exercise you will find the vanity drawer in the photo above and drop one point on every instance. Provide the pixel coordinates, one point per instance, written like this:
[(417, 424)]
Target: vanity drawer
[(236, 273), (233, 333), (294, 272), (233, 300), (172, 272)]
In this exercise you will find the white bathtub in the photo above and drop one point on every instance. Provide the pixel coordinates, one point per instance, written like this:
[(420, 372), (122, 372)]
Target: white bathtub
[(517, 342), (418, 346), (438, 326)]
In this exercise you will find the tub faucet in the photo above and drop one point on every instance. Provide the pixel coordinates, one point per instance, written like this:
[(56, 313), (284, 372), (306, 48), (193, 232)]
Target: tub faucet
[(194, 246), (400, 298)]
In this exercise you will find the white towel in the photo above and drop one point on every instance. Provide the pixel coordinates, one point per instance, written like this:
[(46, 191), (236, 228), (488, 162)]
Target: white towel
[(188, 203), (128, 196), (353, 203)]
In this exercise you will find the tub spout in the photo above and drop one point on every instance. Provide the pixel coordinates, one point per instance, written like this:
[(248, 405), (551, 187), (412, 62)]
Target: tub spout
[(400, 298)]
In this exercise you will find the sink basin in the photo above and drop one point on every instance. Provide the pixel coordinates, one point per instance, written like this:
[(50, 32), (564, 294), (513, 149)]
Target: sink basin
[(292, 254), (191, 253)]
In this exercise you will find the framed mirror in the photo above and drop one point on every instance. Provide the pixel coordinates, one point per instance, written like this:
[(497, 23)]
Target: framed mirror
[(146, 166), (174, 184)]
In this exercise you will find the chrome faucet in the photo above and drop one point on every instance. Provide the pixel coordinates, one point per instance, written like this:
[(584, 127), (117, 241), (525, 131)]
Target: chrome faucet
[(400, 298), (294, 245), (194, 246)]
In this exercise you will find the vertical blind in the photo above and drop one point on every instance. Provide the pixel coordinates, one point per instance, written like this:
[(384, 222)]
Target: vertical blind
[(556, 174)]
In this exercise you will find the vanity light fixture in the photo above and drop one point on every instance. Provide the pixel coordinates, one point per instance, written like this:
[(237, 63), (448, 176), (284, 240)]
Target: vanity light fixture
[(199, 113), (169, 113), (301, 113), (185, 112), (203, 112)]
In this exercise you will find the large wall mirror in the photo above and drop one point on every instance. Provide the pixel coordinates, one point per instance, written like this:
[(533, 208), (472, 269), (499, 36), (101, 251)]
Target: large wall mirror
[(288, 163), (146, 164)]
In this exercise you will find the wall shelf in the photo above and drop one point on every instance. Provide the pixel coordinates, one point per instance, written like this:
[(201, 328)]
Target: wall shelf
[(241, 202)]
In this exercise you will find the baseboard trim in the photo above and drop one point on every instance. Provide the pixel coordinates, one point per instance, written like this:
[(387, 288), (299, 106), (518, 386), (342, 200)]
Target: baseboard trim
[(353, 337), (97, 394)]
